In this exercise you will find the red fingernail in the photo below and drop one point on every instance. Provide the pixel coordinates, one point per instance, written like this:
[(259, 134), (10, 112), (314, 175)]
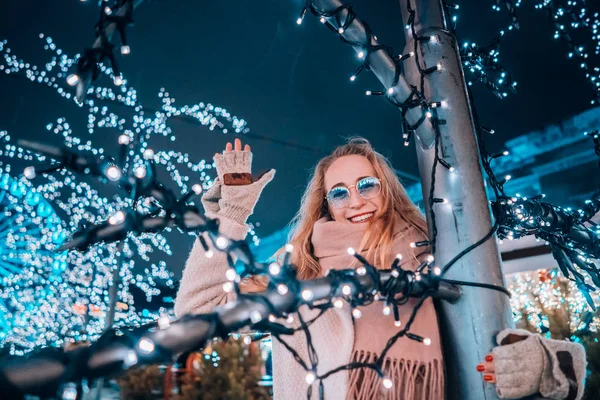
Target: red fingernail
[(480, 367), (489, 358), (487, 378)]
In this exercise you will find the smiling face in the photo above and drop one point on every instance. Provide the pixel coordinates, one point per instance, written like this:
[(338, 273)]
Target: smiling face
[(347, 171)]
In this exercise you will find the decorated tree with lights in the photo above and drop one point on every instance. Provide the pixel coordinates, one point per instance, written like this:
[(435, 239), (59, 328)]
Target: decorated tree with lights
[(545, 302), (51, 295)]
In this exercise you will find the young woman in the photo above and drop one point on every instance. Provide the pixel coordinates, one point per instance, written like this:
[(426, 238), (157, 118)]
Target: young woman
[(354, 199)]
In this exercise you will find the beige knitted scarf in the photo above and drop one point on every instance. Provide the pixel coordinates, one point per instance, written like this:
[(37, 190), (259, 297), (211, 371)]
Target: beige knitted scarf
[(416, 370)]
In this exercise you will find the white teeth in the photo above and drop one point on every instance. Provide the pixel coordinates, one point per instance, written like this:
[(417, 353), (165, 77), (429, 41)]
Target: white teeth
[(361, 217)]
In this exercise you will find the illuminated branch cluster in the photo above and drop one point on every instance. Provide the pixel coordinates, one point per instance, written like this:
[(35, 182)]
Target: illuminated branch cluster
[(574, 245), (482, 62), (71, 301), (545, 301), (571, 20)]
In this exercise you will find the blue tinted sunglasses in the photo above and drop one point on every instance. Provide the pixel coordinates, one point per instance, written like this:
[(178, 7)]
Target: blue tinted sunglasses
[(367, 188)]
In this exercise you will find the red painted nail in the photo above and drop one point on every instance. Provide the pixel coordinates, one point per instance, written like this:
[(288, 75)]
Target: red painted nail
[(480, 367), (489, 358), (487, 378)]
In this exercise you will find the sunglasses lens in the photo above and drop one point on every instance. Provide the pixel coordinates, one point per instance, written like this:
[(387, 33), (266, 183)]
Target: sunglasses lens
[(338, 197), (368, 187)]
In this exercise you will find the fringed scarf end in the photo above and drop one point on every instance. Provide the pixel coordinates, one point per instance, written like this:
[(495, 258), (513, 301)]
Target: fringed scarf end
[(412, 380)]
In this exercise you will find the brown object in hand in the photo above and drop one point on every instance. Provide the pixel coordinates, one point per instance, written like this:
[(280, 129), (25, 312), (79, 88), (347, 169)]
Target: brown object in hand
[(237, 179)]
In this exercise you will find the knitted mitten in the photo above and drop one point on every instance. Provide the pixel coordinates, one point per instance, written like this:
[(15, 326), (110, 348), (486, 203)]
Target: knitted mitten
[(234, 202), (526, 364)]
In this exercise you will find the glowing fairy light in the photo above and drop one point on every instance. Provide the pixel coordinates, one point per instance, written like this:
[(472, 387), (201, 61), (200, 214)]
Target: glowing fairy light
[(222, 242), (140, 172), (197, 188), (117, 218), (387, 383), (72, 80), (346, 290), (113, 173), (227, 287), (124, 139), (148, 154), (274, 269), (29, 172), (255, 316), (230, 274), (164, 322), (307, 294), (146, 345), (282, 289)]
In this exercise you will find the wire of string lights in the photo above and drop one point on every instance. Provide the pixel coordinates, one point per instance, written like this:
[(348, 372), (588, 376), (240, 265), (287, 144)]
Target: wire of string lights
[(122, 348), (115, 15)]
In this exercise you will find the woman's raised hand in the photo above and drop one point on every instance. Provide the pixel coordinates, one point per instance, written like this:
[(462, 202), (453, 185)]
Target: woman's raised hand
[(237, 146)]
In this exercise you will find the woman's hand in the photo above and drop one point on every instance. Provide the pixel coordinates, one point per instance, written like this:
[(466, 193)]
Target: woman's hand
[(525, 364), (237, 146), (235, 191)]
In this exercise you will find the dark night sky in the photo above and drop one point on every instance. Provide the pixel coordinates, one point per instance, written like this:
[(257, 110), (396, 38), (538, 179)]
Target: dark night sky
[(289, 82)]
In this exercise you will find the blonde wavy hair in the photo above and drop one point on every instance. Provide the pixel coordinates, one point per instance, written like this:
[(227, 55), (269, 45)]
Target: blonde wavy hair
[(380, 234)]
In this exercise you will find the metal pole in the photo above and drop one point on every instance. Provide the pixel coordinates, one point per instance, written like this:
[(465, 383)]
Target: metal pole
[(468, 328)]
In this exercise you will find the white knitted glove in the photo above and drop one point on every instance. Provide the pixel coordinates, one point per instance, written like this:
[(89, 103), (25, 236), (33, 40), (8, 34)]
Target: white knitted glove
[(526, 364), (234, 202)]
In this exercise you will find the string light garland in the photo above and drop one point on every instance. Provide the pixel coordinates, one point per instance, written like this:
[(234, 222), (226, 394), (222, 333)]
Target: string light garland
[(115, 15), (159, 341)]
